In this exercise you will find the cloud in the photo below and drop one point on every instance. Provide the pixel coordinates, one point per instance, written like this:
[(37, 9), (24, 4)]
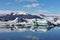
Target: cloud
[(9, 12), (18, 0), (24, 12), (31, 5), (8, 3), (47, 13), (21, 12), (26, 0), (43, 11), (4, 12)]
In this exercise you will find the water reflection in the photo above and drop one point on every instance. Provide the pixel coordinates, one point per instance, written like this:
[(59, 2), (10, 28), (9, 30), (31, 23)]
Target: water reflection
[(53, 34)]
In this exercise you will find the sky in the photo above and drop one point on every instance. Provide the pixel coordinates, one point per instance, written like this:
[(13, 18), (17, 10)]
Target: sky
[(34, 6)]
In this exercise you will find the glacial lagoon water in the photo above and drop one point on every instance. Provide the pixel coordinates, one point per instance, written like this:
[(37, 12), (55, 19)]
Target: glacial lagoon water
[(53, 34)]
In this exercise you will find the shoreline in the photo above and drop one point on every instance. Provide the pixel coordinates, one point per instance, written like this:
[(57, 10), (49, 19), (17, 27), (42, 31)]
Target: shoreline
[(15, 30)]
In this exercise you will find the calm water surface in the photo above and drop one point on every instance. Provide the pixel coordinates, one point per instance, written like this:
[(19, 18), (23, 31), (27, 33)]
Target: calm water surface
[(53, 34)]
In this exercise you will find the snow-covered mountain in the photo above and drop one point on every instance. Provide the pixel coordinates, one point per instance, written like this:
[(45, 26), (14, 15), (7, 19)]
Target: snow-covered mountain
[(13, 15)]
